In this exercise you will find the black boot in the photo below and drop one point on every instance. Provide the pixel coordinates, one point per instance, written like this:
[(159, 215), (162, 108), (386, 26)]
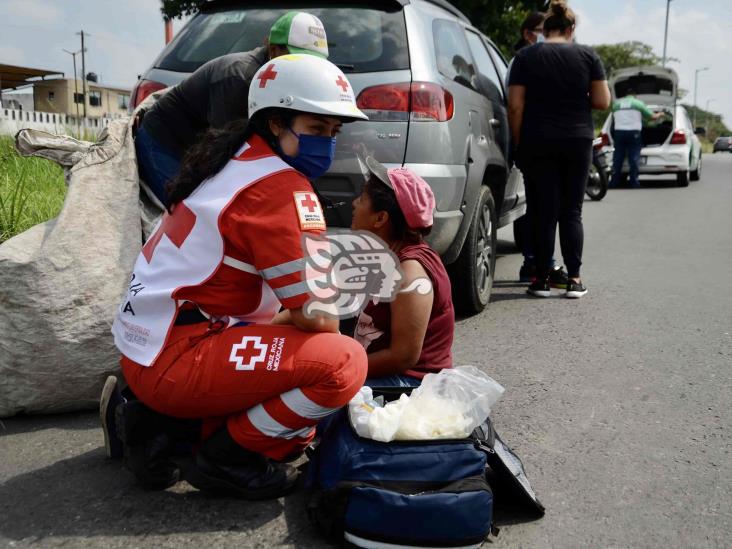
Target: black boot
[(150, 442), (224, 467)]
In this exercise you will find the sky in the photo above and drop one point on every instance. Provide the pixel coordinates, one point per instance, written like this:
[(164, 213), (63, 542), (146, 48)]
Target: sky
[(125, 36)]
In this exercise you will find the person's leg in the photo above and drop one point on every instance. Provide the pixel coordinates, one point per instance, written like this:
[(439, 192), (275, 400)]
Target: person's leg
[(635, 144), (577, 157), (540, 165), (522, 226), (156, 164), (619, 152), (262, 387), (272, 383), (543, 170)]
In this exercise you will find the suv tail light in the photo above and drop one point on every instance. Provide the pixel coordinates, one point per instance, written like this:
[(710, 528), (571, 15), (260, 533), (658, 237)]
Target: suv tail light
[(142, 89), (421, 101), (605, 140), (678, 137)]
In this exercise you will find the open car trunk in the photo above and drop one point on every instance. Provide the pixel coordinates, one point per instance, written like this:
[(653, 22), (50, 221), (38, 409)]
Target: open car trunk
[(656, 87), (657, 132)]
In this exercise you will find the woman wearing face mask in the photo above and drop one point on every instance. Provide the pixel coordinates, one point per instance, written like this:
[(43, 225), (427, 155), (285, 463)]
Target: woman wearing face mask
[(532, 32), (412, 335), (199, 330), (552, 89)]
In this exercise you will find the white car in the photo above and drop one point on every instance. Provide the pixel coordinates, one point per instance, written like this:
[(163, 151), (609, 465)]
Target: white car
[(670, 145)]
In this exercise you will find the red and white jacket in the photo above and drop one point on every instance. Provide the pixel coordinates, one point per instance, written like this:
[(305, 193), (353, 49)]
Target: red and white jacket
[(233, 248)]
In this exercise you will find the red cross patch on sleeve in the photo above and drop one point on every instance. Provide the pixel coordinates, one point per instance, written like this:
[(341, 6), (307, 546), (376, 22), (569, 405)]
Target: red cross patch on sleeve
[(309, 211)]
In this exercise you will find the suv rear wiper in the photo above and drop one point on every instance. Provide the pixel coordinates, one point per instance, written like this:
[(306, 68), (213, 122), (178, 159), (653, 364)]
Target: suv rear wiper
[(345, 68)]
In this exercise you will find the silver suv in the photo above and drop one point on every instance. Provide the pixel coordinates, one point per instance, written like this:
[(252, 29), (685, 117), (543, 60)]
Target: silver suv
[(433, 88)]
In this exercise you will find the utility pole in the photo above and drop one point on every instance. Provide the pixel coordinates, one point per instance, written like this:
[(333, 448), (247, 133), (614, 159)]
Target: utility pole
[(83, 69), (665, 33), (696, 77), (76, 90)]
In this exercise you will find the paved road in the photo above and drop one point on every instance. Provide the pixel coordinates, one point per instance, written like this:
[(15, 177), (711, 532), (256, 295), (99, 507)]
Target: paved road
[(619, 404)]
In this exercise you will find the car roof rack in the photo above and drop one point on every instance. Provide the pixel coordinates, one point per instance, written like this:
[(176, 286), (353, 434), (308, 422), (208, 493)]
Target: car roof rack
[(444, 4)]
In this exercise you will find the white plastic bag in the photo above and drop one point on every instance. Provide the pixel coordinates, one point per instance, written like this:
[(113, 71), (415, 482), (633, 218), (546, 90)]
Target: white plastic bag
[(449, 404)]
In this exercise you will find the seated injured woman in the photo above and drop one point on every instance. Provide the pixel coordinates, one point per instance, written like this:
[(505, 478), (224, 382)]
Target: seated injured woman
[(411, 336)]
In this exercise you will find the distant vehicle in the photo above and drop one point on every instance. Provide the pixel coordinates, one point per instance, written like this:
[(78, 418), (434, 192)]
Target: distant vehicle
[(723, 144), (433, 88), (671, 145)]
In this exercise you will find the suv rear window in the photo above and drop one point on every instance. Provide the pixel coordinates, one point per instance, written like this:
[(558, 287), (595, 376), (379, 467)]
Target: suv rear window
[(359, 39)]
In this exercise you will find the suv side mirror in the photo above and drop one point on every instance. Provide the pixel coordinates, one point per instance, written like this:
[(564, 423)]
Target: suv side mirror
[(700, 131)]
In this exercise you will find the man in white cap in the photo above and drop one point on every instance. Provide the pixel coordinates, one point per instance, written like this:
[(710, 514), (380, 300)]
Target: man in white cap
[(215, 94)]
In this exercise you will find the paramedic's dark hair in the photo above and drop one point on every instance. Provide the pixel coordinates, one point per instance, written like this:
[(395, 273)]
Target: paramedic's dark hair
[(217, 146), (559, 17), (532, 20), (383, 199)]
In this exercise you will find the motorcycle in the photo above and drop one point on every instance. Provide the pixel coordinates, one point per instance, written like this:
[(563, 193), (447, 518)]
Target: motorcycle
[(597, 181)]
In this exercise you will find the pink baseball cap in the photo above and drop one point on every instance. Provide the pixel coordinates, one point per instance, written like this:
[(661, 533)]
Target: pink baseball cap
[(415, 198)]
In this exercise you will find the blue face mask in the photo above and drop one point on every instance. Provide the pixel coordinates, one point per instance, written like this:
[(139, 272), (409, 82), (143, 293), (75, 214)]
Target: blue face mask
[(314, 155)]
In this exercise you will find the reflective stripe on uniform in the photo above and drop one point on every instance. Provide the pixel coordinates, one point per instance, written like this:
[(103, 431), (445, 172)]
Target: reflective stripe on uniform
[(240, 265), (283, 269), (292, 290), (267, 425), (303, 406)]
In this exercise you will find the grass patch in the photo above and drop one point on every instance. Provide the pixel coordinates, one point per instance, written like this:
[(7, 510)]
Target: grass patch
[(707, 146), (32, 190)]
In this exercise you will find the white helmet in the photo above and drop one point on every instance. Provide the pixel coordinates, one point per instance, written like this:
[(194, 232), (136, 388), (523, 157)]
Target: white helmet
[(303, 83)]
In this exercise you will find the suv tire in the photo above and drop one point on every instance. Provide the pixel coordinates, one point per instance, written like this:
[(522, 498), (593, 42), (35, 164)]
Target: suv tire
[(472, 272), (682, 179)]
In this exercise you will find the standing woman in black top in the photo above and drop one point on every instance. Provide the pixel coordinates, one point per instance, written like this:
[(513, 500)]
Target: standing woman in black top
[(553, 88)]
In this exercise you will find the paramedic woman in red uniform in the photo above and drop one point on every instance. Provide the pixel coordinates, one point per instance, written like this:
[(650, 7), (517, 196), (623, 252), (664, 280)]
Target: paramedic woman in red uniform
[(200, 330)]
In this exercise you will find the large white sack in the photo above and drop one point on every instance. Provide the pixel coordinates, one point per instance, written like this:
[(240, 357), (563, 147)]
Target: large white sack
[(61, 281)]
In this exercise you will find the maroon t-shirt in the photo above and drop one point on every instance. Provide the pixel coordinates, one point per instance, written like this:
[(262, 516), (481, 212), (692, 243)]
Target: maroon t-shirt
[(373, 329)]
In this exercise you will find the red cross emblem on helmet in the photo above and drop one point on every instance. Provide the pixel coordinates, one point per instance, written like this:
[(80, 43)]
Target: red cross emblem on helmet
[(342, 83), (267, 75)]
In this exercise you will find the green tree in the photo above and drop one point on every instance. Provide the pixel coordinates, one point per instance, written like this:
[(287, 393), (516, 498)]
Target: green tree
[(619, 56), (500, 19), (626, 54), (710, 121), (178, 8)]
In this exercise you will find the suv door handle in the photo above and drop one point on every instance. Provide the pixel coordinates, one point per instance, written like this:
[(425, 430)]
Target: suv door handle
[(494, 122)]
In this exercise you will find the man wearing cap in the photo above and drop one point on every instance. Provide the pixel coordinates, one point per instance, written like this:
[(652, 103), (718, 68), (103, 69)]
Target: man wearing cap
[(215, 94), (629, 114)]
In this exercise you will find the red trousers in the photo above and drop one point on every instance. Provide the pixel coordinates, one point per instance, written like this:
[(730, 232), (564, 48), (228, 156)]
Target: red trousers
[(270, 384)]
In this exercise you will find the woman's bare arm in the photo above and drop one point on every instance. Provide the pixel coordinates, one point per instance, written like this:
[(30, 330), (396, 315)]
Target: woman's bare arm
[(599, 94), (516, 102), (410, 314)]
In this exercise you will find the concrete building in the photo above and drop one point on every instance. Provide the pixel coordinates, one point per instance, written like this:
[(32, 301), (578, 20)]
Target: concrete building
[(60, 96)]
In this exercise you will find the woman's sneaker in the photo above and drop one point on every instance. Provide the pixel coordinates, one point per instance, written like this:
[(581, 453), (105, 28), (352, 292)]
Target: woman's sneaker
[(558, 277), (540, 288), (527, 272), (575, 289)]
